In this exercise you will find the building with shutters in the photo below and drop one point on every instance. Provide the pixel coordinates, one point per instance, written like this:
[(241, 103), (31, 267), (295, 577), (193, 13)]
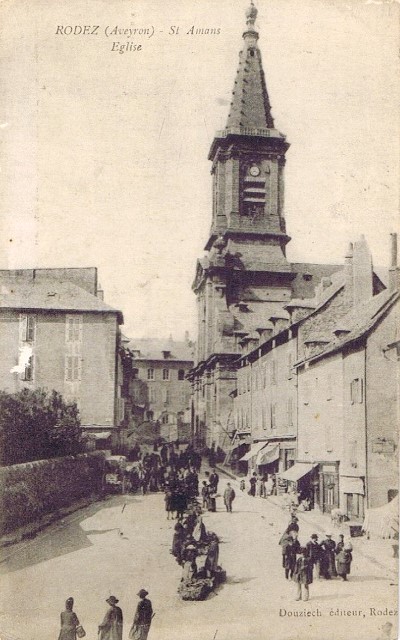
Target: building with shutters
[(159, 391), (58, 333), (319, 397)]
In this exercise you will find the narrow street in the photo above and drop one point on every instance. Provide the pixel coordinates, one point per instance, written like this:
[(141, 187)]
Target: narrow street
[(105, 550)]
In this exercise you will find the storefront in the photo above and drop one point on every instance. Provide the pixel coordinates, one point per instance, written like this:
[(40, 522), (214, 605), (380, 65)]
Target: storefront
[(267, 462), (352, 496), (300, 478), (252, 455), (327, 493)]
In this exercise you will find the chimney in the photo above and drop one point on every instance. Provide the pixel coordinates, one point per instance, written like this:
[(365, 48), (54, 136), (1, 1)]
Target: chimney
[(394, 270), (348, 273), (362, 272)]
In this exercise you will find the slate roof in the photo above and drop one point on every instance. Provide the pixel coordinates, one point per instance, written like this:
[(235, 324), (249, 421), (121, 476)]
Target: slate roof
[(250, 106), (152, 349), (359, 322), (49, 294), (257, 315), (309, 275)]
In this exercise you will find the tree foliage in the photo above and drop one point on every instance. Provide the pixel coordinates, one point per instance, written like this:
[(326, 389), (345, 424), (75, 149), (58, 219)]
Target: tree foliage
[(35, 425)]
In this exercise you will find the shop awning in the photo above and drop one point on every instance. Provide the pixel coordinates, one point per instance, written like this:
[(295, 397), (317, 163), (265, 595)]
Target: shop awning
[(269, 454), (254, 450), (298, 471), (349, 484), (100, 435)]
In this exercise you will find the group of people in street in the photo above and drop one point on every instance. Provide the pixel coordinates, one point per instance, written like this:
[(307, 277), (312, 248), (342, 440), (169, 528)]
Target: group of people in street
[(153, 471), (260, 485), (197, 551), (315, 560), (111, 627)]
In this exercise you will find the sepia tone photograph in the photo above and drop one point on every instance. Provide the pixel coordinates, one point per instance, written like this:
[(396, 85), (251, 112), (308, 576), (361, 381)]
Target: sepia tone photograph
[(199, 319)]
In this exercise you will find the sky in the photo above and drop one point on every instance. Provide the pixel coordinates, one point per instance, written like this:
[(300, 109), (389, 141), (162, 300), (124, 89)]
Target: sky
[(104, 154)]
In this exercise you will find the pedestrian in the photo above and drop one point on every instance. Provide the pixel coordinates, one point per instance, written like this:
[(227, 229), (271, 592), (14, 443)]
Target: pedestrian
[(204, 494), (229, 496), (302, 575), (143, 617), (284, 542), (214, 479), (340, 544), (211, 563), (293, 524), (177, 542), (292, 550), (111, 627), (327, 564), (253, 483), (314, 555), (69, 622), (242, 485), (168, 502), (343, 561), (212, 502)]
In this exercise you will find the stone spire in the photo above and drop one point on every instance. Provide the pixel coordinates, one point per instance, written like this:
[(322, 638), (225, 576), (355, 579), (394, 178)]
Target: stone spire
[(250, 106)]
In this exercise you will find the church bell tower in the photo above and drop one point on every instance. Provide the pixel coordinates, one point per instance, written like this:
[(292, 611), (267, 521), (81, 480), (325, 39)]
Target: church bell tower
[(248, 159), (244, 278)]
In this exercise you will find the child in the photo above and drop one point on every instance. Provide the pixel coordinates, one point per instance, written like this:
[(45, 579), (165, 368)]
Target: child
[(343, 561), (302, 575)]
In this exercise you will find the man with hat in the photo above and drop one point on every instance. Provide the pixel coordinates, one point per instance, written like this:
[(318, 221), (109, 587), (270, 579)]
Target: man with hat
[(314, 555), (111, 627), (143, 617)]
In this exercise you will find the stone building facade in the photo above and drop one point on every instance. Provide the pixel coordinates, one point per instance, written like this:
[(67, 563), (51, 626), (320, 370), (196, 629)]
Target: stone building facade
[(336, 362), (58, 333), (159, 391)]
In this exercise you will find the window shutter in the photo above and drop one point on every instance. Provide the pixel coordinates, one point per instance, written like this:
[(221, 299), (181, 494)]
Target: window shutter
[(23, 323)]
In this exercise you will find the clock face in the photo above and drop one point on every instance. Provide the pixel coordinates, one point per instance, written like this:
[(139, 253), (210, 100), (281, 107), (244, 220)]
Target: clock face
[(254, 171)]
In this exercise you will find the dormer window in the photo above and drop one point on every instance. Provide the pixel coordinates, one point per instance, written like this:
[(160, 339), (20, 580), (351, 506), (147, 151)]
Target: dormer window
[(166, 355)]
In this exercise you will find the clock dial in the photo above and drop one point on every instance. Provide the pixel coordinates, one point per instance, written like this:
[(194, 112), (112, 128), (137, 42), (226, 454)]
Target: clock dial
[(254, 170)]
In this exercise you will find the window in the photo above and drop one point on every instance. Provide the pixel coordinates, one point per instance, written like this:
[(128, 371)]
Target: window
[(183, 396), (27, 328), (73, 328), (264, 418), (136, 394), (152, 395), (353, 454), (165, 418), (150, 374), (181, 374), (28, 373), (72, 372), (290, 412), (150, 415), (289, 365), (165, 374), (356, 391), (273, 415), (166, 396)]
